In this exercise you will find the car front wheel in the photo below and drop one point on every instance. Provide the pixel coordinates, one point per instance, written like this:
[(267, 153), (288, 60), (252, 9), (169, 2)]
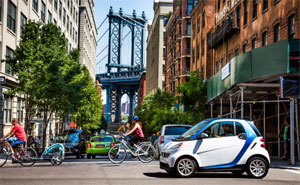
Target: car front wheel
[(257, 167), (185, 167)]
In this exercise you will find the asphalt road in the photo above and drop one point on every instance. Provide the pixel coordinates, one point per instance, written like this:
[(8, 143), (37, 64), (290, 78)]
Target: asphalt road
[(132, 172)]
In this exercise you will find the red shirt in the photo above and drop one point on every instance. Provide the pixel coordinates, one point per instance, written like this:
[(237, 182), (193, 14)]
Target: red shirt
[(19, 132)]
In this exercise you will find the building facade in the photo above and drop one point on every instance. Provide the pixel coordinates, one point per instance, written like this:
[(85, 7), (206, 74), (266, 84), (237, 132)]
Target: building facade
[(250, 47), (156, 50), (87, 36), (178, 44), (13, 15)]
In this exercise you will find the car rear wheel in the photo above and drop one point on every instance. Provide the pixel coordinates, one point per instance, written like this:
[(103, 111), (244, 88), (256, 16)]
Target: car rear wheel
[(94, 156), (257, 167), (186, 167), (88, 156)]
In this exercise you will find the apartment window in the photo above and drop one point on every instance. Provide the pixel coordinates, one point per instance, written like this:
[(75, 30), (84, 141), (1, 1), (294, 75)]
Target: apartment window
[(64, 17), (188, 28), (253, 43), (11, 16), (276, 33), (7, 109), (55, 22), (67, 23), (238, 16), (254, 10), (76, 38), (194, 28), (265, 5), (187, 66), (198, 25), (236, 52), (193, 55), (71, 28), (68, 3), (229, 57), (55, 4), (43, 10), (60, 9), (291, 26), (76, 17), (35, 5), (203, 47), (71, 7), (203, 19), (245, 12), (264, 39), (9, 54), (49, 17), (217, 66), (23, 21), (0, 10), (222, 63), (219, 3), (20, 107), (73, 13), (244, 48), (198, 51)]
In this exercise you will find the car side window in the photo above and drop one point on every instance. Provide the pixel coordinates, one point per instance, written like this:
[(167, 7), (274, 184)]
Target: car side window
[(239, 129), (213, 130), (220, 129)]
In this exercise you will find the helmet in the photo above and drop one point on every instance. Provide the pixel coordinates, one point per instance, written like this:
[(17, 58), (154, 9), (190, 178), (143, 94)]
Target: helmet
[(136, 118)]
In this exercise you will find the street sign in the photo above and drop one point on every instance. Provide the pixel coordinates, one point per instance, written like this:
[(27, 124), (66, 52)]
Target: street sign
[(2, 80)]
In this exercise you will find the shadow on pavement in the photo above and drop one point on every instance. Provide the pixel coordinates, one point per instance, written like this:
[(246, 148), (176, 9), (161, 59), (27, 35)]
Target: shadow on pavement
[(197, 175)]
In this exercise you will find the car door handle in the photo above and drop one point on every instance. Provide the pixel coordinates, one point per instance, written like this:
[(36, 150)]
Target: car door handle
[(242, 136)]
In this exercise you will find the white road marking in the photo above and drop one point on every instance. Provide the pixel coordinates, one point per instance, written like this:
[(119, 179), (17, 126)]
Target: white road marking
[(293, 171)]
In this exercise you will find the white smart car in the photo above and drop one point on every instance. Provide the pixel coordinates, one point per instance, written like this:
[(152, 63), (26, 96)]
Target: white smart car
[(217, 145)]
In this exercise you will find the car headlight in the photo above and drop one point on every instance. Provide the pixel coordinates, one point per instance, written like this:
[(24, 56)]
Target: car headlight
[(177, 146)]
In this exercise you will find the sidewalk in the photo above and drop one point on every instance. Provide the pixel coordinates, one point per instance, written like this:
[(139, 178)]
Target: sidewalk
[(284, 164)]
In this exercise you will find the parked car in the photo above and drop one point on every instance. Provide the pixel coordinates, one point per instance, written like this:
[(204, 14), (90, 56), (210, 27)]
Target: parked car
[(99, 145), (220, 145), (167, 133)]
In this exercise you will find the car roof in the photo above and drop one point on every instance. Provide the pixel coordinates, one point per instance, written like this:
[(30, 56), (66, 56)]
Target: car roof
[(171, 125), (103, 136), (226, 119)]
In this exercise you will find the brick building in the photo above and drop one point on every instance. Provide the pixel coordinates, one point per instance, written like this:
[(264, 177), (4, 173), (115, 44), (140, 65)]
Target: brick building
[(178, 42)]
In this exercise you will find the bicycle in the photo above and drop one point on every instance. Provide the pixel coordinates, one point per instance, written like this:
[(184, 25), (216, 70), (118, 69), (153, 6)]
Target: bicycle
[(118, 153), (23, 155)]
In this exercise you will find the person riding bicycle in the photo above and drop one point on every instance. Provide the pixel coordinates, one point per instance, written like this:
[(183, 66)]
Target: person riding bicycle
[(20, 135), (136, 131)]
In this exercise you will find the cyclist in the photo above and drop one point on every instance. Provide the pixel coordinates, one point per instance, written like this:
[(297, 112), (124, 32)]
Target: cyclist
[(20, 135), (137, 132)]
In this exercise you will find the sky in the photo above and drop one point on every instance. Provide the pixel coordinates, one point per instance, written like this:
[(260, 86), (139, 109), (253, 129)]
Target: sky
[(101, 10)]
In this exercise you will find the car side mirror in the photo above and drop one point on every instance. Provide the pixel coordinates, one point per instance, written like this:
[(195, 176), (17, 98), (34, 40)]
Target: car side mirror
[(202, 136)]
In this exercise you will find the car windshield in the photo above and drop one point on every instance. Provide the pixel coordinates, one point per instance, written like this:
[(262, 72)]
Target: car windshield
[(102, 139), (192, 131), (176, 130)]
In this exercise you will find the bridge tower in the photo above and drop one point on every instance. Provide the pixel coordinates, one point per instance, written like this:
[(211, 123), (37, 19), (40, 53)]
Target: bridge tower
[(123, 77)]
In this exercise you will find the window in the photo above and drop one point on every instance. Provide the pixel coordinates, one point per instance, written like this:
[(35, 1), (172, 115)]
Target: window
[(254, 10), (244, 48), (23, 21), (55, 22), (236, 52), (20, 107), (64, 17), (68, 3), (253, 43), (71, 7), (194, 29), (239, 129), (71, 28), (60, 8), (203, 47), (219, 2), (245, 12), (76, 17), (188, 28), (9, 54), (238, 16), (276, 33), (35, 5), (49, 17), (291, 27), (203, 19), (217, 66), (222, 63), (229, 57), (198, 25), (43, 10), (67, 23), (11, 16), (264, 39), (188, 64), (7, 109), (0, 10), (221, 129), (193, 55), (198, 51), (265, 5), (55, 4)]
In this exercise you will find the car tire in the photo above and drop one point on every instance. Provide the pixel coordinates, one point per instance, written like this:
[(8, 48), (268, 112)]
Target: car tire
[(185, 167), (94, 156), (171, 172), (257, 167), (81, 156), (89, 156)]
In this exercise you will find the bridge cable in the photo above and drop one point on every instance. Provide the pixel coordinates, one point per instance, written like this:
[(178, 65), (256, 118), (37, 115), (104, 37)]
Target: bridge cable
[(101, 24), (102, 35), (102, 50)]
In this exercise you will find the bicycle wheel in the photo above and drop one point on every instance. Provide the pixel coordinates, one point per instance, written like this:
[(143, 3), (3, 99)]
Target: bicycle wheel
[(117, 154), (146, 153), (26, 157), (56, 159), (3, 155)]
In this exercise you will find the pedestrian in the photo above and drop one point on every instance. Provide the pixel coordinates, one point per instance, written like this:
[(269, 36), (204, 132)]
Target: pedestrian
[(36, 141), (285, 139)]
